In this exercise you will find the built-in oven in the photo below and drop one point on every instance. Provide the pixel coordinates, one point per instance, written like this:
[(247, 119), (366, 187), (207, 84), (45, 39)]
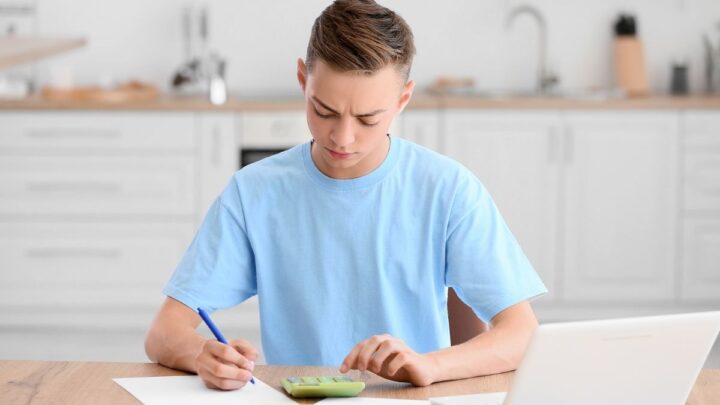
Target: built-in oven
[(263, 134), (251, 155)]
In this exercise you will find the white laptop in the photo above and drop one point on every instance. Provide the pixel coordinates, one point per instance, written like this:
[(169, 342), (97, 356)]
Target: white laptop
[(649, 360)]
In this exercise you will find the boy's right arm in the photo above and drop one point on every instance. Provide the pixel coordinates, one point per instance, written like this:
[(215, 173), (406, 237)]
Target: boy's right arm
[(173, 342)]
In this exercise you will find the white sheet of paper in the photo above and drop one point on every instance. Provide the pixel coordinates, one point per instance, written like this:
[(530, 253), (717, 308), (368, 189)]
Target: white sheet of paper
[(372, 401), (491, 398), (191, 390)]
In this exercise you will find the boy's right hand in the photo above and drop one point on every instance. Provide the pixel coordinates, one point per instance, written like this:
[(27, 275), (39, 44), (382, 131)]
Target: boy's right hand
[(226, 367)]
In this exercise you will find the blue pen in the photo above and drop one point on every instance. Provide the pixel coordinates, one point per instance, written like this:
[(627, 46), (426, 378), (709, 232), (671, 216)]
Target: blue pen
[(219, 336)]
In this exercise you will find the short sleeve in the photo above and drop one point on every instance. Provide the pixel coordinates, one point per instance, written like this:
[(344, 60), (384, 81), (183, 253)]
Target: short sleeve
[(218, 269), (484, 262)]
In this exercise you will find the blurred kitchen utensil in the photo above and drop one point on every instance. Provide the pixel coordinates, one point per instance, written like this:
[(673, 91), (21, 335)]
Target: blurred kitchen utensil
[(203, 72), (218, 87), (630, 70), (712, 62)]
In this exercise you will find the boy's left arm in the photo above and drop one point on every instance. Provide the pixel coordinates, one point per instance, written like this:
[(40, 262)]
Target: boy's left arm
[(496, 351)]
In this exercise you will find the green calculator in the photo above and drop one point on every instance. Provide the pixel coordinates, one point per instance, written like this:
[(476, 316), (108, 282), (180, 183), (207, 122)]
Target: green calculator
[(339, 386)]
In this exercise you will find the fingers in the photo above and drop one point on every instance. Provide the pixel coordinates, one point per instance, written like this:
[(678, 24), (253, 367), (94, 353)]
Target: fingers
[(213, 381), (224, 371), (349, 361), (227, 354), (371, 353), (386, 351), (222, 367), (398, 362), (245, 348)]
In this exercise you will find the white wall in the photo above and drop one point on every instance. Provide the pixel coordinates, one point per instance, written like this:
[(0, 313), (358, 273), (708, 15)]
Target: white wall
[(262, 39)]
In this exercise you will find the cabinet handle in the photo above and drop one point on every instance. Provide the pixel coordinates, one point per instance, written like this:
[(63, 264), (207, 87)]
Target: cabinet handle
[(79, 133), (569, 145), (55, 253), (73, 186), (215, 158), (712, 191), (553, 145)]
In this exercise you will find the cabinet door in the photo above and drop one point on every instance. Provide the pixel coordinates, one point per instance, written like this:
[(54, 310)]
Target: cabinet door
[(620, 204), (219, 157), (105, 131), (51, 272), (701, 260), (272, 129), (701, 207), (421, 127), (515, 154), (40, 186)]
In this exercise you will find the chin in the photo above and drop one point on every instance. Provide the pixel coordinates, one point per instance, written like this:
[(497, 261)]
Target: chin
[(342, 164)]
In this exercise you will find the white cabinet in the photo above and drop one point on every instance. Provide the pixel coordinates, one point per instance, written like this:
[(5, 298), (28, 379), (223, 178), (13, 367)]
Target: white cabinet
[(701, 207), (516, 157), (96, 210), (421, 127), (87, 267), (116, 132), (218, 157), (272, 129), (620, 207), (591, 197), (93, 184), (701, 260)]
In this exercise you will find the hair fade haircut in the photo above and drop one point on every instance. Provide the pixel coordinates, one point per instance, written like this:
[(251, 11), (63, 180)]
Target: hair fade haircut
[(360, 36)]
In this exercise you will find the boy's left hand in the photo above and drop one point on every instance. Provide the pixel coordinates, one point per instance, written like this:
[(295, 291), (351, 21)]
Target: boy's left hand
[(390, 358)]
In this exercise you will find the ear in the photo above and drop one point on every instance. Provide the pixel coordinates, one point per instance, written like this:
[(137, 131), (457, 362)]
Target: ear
[(301, 74), (406, 94)]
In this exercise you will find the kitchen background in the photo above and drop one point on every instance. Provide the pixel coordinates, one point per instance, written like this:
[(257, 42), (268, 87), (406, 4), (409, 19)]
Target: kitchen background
[(261, 40), (98, 201)]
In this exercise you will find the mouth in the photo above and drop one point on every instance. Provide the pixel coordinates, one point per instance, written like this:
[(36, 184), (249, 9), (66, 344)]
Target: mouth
[(338, 155)]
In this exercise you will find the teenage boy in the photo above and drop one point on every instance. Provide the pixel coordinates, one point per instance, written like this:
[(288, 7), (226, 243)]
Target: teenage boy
[(351, 240)]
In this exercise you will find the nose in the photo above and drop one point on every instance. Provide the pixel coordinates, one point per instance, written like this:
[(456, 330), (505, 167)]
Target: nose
[(342, 133)]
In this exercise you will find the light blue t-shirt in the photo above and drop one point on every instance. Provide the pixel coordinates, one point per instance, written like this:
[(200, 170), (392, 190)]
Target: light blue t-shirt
[(335, 261)]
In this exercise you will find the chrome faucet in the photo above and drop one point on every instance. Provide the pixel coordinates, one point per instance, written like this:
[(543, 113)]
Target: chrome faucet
[(546, 80)]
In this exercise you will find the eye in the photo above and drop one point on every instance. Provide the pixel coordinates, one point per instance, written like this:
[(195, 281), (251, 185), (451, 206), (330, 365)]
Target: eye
[(321, 115), (368, 124)]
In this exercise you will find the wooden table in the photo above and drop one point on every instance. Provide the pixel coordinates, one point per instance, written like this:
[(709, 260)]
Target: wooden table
[(46, 382)]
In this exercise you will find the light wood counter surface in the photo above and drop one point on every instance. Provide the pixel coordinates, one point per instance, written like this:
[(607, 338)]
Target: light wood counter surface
[(45, 382), (420, 101)]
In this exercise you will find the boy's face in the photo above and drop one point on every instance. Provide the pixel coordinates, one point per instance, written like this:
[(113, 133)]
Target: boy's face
[(349, 115)]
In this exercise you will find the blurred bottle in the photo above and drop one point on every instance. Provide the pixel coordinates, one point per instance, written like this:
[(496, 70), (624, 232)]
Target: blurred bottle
[(630, 70), (218, 88), (679, 79)]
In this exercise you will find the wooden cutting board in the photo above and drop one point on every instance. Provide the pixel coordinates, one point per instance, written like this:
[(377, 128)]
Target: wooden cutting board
[(132, 91)]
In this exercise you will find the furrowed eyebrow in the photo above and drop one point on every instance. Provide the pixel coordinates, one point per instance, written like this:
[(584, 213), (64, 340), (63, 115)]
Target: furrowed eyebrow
[(325, 106)]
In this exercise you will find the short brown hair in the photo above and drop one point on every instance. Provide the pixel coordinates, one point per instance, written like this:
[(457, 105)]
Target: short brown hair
[(360, 36)]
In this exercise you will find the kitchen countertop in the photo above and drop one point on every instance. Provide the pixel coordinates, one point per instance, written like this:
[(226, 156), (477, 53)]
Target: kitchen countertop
[(419, 101)]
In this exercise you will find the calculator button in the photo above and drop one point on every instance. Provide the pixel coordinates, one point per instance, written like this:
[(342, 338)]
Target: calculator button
[(342, 379), (293, 380), (325, 380), (309, 380)]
